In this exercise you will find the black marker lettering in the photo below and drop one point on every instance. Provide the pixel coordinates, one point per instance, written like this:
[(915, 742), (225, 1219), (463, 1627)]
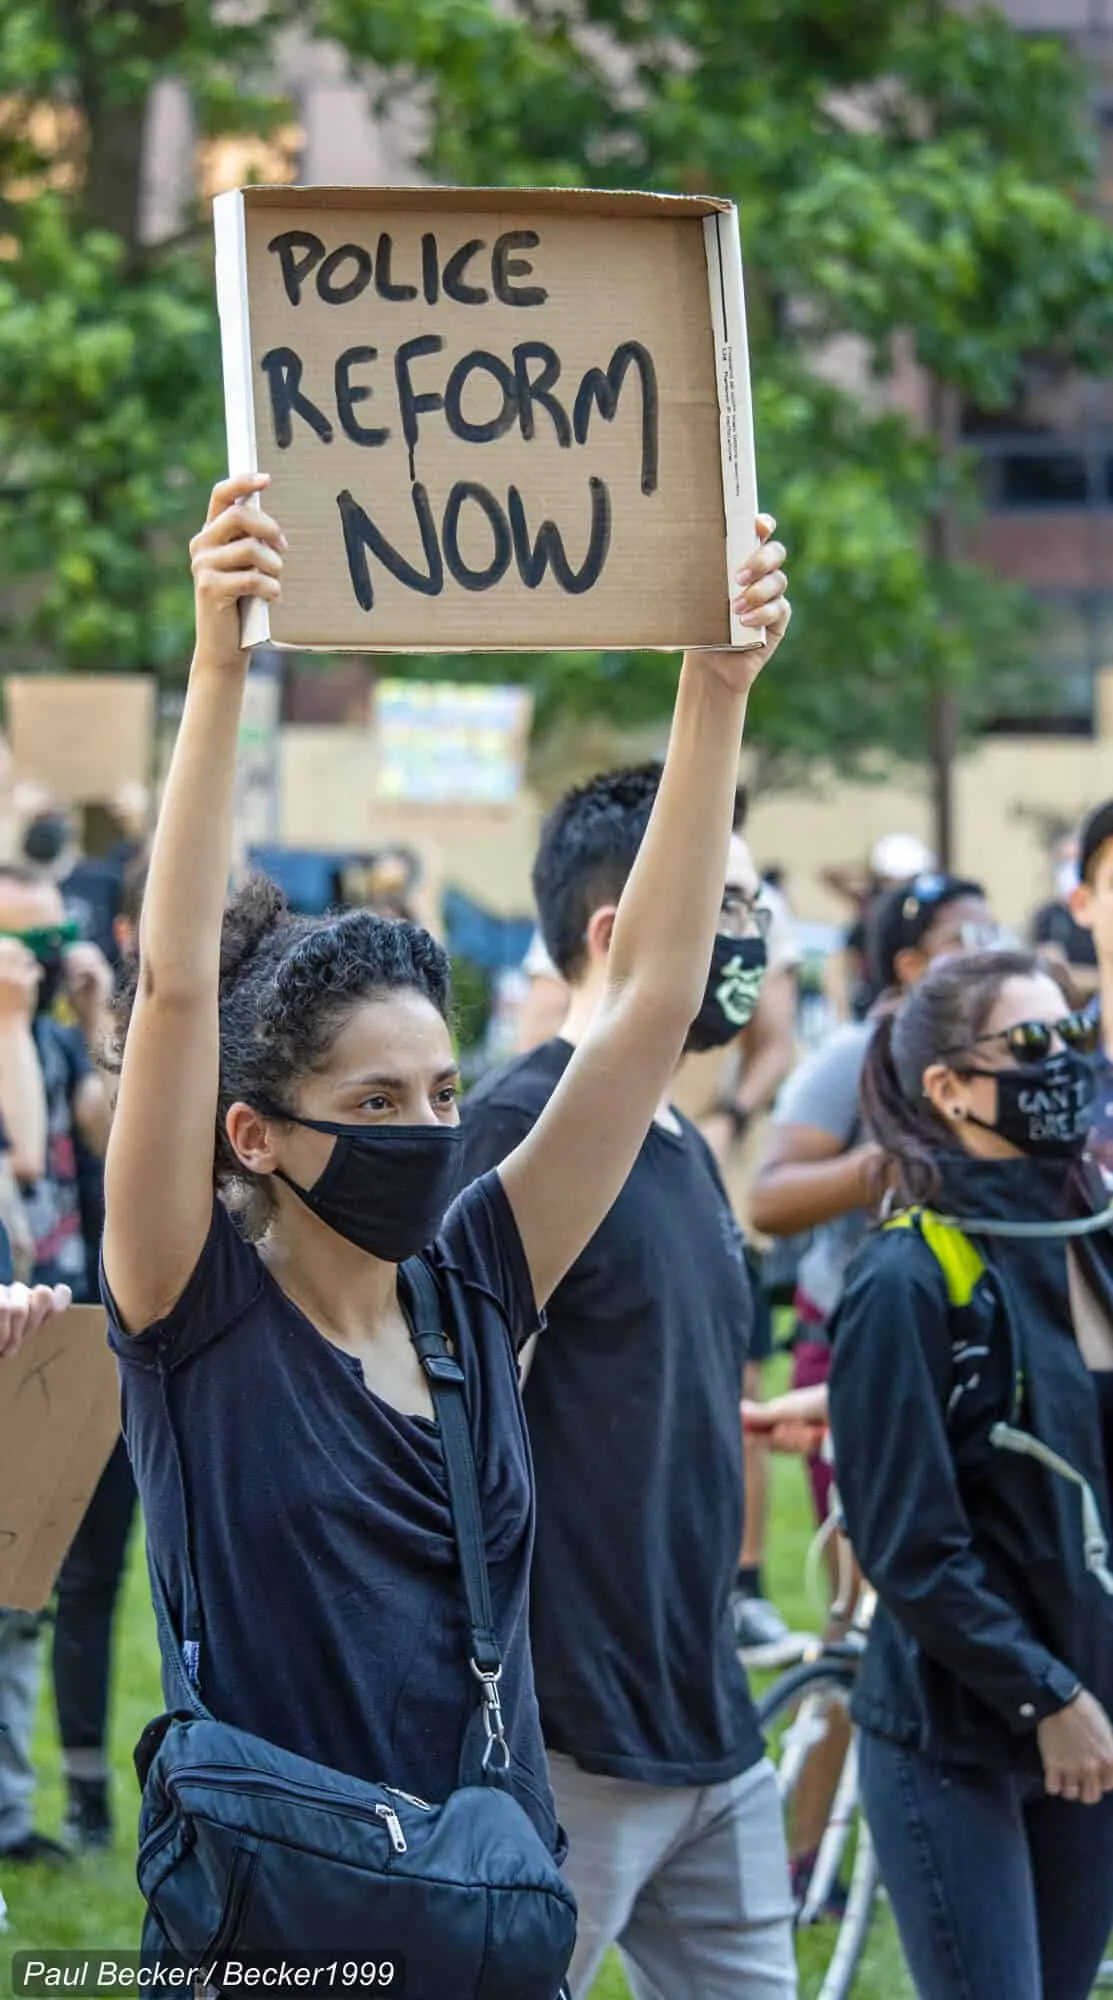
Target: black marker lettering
[(536, 389), (361, 535), (342, 295), (383, 285), (533, 559), (603, 391), (504, 267), (296, 269), (430, 269), (411, 405), (349, 393), (475, 579), (283, 370), (454, 286), (495, 427)]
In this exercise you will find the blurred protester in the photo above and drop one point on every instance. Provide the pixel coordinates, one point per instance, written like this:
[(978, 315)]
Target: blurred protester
[(90, 885), (729, 1095), (819, 1163), (92, 1574), (545, 1002), (677, 1844), (1056, 932), (50, 1097), (896, 859), (1092, 909)]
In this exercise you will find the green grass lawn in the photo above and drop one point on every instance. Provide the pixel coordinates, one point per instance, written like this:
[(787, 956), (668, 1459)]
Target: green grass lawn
[(95, 1903)]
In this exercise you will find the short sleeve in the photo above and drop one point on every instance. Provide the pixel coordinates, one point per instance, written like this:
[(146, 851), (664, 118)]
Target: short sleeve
[(783, 944), (481, 1244), (823, 1093), (227, 1278)]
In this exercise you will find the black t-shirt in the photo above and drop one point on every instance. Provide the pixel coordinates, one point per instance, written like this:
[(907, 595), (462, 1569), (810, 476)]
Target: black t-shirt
[(1055, 924), (332, 1612), (632, 1400)]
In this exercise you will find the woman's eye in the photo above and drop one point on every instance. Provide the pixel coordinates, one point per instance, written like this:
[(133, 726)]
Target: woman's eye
[(449, 1094), (375, 1104)]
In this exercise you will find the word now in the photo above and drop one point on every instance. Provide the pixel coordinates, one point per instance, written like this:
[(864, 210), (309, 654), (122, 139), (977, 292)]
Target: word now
[(511, 539), (525, 385), (344, 274)]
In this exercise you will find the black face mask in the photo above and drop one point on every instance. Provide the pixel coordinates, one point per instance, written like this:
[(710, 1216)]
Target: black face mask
[(733, 985), (1043, 1108), (386, 1188)]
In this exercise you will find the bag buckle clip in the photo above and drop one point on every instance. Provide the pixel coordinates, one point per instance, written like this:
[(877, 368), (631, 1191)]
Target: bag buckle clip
[(497, 1753)]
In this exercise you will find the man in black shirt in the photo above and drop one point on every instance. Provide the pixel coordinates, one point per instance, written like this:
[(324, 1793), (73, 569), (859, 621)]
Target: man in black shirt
[(632, 1396), (1092, 908)]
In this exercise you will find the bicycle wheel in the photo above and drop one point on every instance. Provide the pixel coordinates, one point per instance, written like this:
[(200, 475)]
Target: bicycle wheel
[(805, 1716)]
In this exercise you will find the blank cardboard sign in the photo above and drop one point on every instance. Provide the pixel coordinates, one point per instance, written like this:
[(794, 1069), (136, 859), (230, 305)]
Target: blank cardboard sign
[(494, 418), (83, 737), (59, 1419)]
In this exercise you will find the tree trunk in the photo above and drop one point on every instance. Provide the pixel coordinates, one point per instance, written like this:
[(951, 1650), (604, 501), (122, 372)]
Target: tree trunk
[(112, 196), (943, 540)]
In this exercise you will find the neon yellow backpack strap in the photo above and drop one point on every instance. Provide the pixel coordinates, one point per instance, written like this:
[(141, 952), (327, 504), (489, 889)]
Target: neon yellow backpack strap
[(961, 1264)]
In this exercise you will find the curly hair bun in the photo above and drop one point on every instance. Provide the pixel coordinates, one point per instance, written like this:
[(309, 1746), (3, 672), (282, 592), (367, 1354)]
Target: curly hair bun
[(258, 909)]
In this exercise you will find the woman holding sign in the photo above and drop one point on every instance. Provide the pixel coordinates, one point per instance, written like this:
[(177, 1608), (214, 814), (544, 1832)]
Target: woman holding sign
[(298, 1462)]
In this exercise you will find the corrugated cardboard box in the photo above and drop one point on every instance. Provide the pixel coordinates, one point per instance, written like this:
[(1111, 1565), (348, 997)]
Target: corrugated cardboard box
[(495, 418)]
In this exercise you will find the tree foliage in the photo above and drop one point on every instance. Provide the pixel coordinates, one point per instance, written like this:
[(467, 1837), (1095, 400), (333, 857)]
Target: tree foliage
[(910, 175)]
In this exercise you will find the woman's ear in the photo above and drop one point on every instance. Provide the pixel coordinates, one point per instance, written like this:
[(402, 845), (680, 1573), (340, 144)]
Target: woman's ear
[(947, 1093), (251, 1138), (599, 932)]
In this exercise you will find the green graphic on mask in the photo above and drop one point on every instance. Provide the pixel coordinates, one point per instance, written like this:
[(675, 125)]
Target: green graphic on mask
[(738, 990)]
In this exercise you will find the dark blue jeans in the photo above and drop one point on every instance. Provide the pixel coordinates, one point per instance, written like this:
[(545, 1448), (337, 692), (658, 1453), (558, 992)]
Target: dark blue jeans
[(999, 1892)]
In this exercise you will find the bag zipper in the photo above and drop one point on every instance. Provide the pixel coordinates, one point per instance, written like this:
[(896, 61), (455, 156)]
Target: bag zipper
[(247, 1781), (393, 1827), (411, 1798)]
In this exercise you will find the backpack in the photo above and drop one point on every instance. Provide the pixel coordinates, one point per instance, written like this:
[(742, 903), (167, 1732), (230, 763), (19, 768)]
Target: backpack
[(250, 1854), (963, 1266)]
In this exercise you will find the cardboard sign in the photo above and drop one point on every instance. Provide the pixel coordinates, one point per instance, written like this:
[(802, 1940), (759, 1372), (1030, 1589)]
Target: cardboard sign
[(494, 418), (82, 737), (59, 1419), (439, 743)]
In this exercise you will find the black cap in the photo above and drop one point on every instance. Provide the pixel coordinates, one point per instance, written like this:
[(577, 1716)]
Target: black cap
[(1096, 831), (903, 918)]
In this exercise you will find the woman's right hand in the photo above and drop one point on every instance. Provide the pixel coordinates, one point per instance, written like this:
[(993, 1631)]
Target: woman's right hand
[(238, 553), (23, 1310), (1076, 1745)]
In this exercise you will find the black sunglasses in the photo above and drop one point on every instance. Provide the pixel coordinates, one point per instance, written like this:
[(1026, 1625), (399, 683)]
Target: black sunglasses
[(1030, 1041)]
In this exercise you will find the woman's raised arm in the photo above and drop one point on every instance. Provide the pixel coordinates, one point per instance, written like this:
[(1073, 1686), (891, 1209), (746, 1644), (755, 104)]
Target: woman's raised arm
[(566, 1175), (159, 1169)]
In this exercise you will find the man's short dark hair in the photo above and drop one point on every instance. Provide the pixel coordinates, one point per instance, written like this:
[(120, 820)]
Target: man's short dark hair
[(589, 843), (1096, 833)]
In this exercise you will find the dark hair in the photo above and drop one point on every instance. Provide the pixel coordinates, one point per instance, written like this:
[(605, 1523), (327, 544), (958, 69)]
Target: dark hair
[(287, 983), (741, 809), (902, 918), (948, 1010), (1096, 834), (589, 843), (133, 888)]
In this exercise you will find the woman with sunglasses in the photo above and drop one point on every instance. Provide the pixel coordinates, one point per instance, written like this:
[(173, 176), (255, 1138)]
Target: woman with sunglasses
[(969, 1459)]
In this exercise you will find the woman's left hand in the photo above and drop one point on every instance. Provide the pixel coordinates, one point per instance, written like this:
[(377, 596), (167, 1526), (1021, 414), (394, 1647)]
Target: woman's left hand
[(23, 1310), (760, 600)]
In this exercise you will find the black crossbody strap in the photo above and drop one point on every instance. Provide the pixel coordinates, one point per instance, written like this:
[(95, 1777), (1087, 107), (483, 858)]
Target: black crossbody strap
[(446, 1386)]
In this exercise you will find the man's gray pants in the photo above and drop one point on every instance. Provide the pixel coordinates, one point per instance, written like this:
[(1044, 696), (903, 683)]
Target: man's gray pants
[(20, 1675), (691, 1884)]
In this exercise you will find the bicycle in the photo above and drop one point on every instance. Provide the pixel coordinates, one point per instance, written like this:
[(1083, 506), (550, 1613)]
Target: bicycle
[(812, 1743)]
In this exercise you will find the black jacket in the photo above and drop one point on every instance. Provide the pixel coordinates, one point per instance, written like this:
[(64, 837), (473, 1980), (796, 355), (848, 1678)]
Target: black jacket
[(988, 1618)]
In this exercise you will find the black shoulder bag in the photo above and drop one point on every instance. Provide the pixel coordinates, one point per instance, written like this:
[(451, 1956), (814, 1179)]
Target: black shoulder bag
[(247, 1852)]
